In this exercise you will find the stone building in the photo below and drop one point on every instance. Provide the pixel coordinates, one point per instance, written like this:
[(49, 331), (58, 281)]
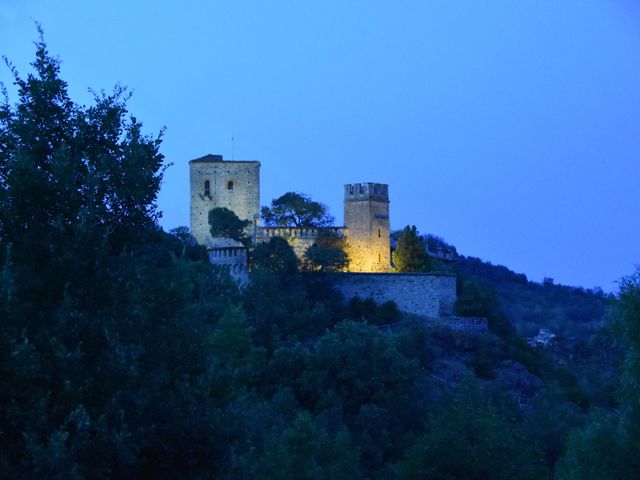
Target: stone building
[(230, 255), (216, 182), (222, 183), (366, 215), (236, 185)]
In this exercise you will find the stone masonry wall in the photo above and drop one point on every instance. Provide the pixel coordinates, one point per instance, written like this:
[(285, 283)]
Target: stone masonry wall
[(427, 294), (300, 238), (366, 214), (231, 184)]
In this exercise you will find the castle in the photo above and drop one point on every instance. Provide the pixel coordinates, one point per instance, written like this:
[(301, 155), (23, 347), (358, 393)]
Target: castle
[(216, 182), (234, 184)]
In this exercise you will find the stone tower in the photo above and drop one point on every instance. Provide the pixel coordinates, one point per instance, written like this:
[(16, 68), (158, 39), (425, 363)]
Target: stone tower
[(222, 183), (366, 216)]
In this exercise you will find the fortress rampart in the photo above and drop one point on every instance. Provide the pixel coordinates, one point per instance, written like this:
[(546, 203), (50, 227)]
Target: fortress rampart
[(427, 294), (300, 238)]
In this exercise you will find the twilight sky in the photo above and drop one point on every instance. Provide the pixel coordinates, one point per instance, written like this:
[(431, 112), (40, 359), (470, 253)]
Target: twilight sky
[(510, 128)]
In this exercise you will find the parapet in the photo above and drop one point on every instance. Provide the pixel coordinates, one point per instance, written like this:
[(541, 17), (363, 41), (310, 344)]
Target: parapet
[(366, 191), (210, 158)]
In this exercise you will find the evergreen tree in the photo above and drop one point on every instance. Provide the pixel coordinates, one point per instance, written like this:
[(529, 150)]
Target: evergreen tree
[(327, 254), (410, 254)]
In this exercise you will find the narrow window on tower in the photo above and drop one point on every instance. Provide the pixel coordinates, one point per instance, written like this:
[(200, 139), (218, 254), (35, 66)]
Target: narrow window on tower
[(379, 234), (379, 257), (230, 185), (207, 188)]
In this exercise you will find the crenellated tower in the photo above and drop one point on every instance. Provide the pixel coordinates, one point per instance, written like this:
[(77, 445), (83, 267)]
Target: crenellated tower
[(366, 216), (216, 182)]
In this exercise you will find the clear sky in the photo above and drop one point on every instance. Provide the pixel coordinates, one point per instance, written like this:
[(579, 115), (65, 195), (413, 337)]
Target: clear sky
[(509, 127)]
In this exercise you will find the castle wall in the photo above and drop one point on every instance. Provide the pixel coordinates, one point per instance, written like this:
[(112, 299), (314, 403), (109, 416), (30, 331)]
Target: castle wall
[(233, 260), (300, 238), (366, 214), (231, 184), (427, 294)]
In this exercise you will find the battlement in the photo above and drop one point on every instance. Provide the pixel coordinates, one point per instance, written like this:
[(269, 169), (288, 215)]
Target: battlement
[(466, 324), (366, 191), (302, 232), (211, 158)]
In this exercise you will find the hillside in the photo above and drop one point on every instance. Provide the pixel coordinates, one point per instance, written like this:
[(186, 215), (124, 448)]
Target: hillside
[(569, 312)]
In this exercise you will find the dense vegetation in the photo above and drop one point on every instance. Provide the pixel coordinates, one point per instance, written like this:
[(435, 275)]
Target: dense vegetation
[(122, 355)]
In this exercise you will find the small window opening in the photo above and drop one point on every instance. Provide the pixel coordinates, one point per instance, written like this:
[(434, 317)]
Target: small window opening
[(207, 188), (379, 234), (230, 185), (379, 257)]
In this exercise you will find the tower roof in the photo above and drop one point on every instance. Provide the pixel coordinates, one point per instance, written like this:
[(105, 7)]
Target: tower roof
[(214, 158)]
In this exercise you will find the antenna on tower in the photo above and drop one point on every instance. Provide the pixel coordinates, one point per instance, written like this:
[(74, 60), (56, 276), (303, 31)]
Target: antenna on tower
[(233, 156)]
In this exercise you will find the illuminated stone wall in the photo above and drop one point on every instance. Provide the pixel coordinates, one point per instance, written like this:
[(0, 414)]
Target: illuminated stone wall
[(231, 256), (300, 238), (427, 294), (366, 215), (231, 184)]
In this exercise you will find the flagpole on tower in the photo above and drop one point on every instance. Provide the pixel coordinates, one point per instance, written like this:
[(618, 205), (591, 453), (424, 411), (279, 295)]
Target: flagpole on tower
[(233, 156)]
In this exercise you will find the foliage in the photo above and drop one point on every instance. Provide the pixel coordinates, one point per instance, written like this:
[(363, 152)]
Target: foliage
[(327, 254), (305, 451), (566, 311), (296, 210), (368, 310), (469, 438), (122, 355), (477, 300), (104, 370), (225, 223), (411, 254), (609, 445), (275, 256)]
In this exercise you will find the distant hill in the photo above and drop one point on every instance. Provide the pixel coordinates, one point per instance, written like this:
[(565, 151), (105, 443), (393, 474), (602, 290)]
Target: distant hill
[(567, 311)]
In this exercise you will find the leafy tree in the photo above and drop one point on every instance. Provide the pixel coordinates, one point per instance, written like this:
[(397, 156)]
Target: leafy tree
[(609, 445), (368, 310), (410, 254), (479, 300), (225, 223), (305, 451), (275, 256), (105, 369), (296, 210), (186, 244), (327, 254), (470, 438)]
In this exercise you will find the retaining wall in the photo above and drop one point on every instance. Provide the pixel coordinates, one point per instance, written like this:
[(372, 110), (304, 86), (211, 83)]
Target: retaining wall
[(427, 294)]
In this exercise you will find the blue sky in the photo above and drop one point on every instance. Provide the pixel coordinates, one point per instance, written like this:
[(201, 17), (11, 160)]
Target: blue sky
[(510, 128)]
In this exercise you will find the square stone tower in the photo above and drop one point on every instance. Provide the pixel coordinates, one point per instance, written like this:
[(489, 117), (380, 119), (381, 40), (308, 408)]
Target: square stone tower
[(222, 183), (366, 216)]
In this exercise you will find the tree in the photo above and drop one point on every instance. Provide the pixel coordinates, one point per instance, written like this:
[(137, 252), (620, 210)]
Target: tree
[(609, 445), (327, 254), (305, 451), (225, 223), (275, 256), (476, 299), (410, 254), (105, 368), (296, 210), (470, 438)]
